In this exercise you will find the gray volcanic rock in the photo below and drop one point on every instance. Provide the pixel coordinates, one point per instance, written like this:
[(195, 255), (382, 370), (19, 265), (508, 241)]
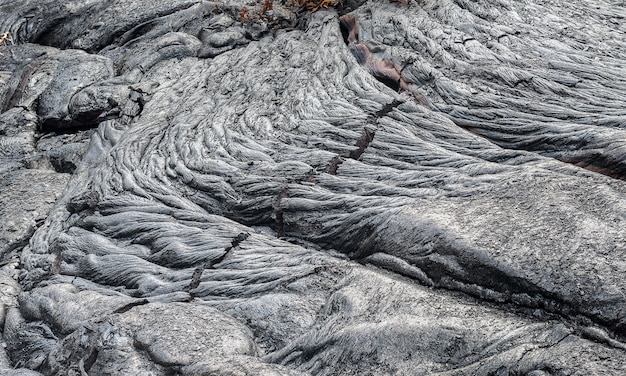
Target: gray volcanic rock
[(431, 187), (27, 197)]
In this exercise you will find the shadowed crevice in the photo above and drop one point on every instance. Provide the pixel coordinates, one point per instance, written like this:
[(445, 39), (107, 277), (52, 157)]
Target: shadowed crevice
[(197, 273), (362, 143)]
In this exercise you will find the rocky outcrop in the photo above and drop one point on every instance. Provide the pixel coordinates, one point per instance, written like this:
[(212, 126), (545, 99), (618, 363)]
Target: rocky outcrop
[(434, 187)]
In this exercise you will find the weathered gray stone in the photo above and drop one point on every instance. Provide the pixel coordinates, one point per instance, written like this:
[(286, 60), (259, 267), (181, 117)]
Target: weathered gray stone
[(26, 198)]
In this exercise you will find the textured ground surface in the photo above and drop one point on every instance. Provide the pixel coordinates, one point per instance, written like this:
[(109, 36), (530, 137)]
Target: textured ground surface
[(218, 188)]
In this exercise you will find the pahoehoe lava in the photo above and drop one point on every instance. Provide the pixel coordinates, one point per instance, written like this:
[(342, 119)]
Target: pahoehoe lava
[(375, 187)]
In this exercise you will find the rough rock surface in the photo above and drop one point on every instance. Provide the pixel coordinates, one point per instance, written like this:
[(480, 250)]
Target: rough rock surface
[(383, 187)]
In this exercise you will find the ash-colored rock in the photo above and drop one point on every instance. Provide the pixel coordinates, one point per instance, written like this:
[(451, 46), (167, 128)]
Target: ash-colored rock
[(431, 187), (26, 197)]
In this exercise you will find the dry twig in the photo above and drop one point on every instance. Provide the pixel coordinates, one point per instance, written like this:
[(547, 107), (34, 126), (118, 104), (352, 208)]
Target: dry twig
[(6, 39)]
